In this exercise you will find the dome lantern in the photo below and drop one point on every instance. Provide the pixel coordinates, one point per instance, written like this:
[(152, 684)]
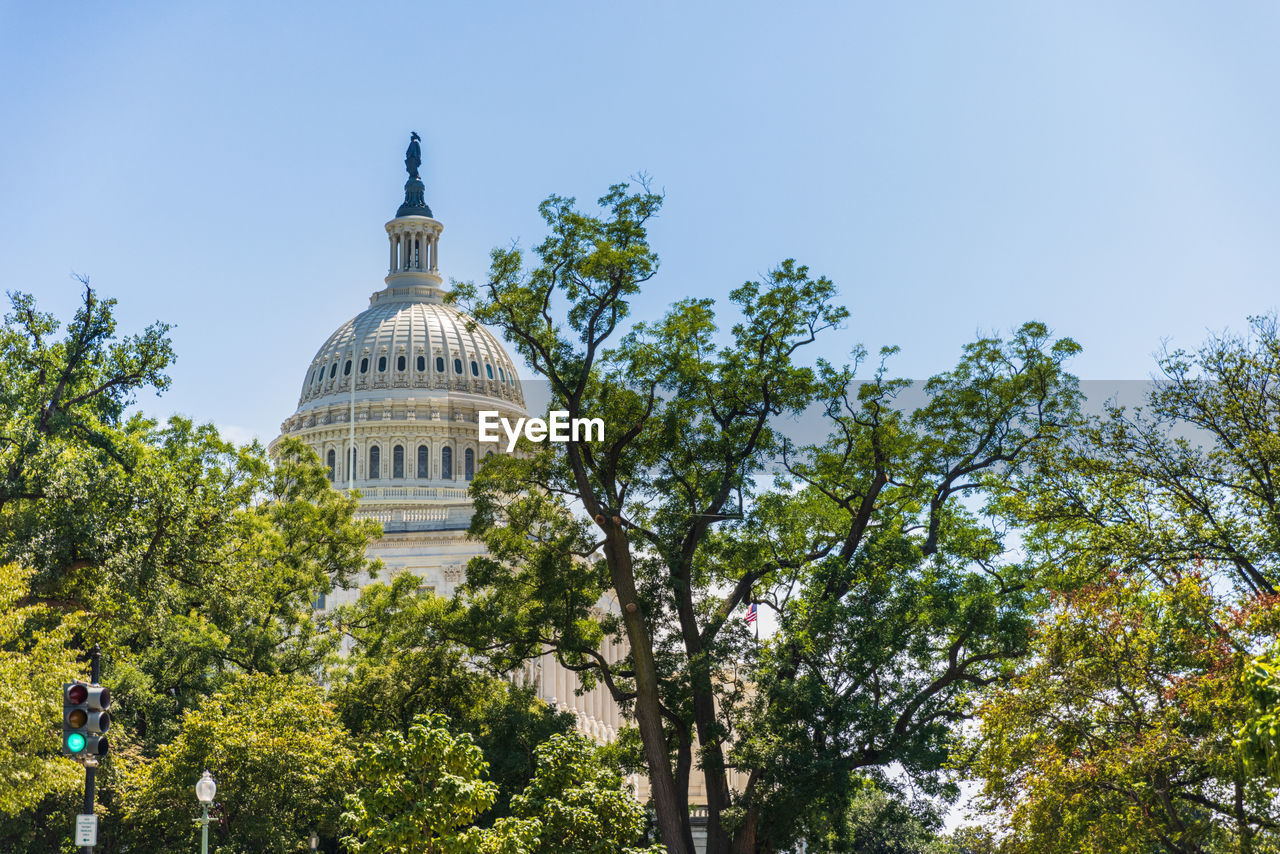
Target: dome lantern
[(414, 234)]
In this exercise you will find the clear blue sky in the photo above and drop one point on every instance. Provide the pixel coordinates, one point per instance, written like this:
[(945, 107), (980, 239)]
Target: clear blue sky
[(1108, 168)]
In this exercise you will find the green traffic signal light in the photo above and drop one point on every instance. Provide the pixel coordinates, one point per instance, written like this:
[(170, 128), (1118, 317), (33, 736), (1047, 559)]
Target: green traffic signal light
[(85, 720)]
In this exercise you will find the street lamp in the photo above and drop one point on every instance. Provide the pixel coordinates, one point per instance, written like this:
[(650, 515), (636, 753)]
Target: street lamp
[(315, 841), (205, 790)]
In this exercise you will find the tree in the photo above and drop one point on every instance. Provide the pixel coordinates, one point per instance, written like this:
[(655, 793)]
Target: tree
[(404, 661), (192, 561), (418, 793), (580, 803), (1117, 735), (278, 754), (673, 528), (1180, 490), (35, 661)]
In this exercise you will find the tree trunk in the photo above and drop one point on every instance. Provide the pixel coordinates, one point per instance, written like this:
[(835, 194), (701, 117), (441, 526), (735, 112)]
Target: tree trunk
[(1242, 821), (712, 755), (673, 820)]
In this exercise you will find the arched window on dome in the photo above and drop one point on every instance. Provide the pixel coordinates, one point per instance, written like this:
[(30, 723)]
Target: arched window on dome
[(333, 370), (424, 462), (333, 463), (346, 369), (422, 364), (502, 375), (382, 364), (457, 366), (364, 365), (375, 462), (446, 462), (400, 363), (475, 369), (397, 461), (488, 369), (469, 463), (440, 364)]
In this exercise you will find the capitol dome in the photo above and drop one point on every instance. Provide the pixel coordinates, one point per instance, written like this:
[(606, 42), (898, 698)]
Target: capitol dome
[(390, 401), (390, 404)]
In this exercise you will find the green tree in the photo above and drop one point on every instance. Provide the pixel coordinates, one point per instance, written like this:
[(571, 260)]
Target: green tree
[(1117, 735), (420, 792), (405, 660), (190, 560), (34, 663), (280, 758), (1180, 489), (580, 803), (872, 524)]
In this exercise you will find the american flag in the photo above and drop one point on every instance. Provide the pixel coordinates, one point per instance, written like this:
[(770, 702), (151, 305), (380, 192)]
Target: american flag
[(751, 613)]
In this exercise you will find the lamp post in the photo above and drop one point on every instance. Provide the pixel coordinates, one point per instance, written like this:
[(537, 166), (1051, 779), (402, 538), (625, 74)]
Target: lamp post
[(205, 790), (315, 841)]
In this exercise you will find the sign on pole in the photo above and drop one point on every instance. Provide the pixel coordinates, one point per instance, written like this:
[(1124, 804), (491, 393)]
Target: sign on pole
[(86, 830)]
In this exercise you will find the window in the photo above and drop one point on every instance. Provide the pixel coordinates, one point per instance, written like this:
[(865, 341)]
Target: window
[(346, 369), (488, 369), (457, 366), (382, 363), (446, 462), (469, 463), (489, 454), (364, 365), (422, 364), (333, 371), (319, 603), (333, 462), (440, 364), (375, 461), (400, 363), (424, 462), (502, 375), (475, 369), (397, 461)]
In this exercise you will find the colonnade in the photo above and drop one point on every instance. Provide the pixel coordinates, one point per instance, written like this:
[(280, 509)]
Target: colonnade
[(414, 249), (598, 716)]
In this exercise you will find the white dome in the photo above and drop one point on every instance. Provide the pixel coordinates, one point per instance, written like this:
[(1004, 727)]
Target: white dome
[(406, 343)]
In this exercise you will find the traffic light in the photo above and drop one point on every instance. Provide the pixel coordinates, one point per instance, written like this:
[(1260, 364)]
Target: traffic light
[(85, 720)]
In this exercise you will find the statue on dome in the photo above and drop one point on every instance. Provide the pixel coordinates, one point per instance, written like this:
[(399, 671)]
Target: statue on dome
[(413, 157)]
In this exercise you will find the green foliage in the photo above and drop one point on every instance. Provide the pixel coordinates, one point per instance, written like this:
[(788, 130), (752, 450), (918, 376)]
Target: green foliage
[(190, 560), (280, 758), (1117, 737), (1259, 737), (1151, 517), (421, 791), (404, 661), (34, 663), (580, 802), (893, 596), (871, 820)]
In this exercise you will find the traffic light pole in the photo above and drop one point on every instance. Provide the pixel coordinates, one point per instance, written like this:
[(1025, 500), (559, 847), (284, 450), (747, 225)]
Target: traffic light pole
[(91, 765)]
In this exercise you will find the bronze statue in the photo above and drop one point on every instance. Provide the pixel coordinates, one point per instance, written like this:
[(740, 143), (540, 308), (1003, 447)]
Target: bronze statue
[(413, 157)]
